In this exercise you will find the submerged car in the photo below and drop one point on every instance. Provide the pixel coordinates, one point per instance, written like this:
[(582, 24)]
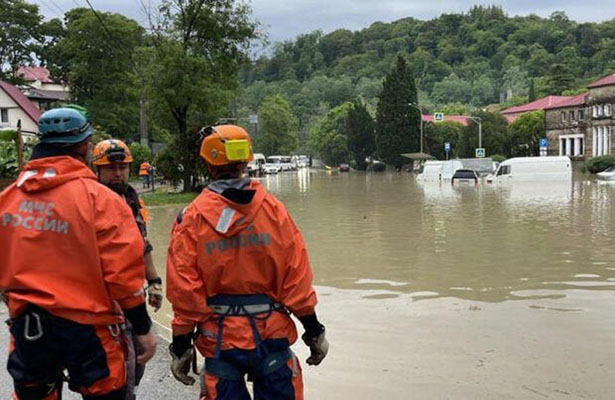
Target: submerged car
[(344, 167), (465, 177)]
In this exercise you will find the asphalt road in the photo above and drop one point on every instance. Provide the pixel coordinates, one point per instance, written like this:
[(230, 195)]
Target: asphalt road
[(158, 383)]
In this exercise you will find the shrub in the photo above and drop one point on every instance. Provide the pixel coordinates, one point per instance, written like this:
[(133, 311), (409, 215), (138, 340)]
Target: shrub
[(168, 165), (599, 164), (498, 157)]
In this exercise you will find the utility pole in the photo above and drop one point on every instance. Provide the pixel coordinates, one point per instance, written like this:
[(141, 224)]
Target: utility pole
[(480, 130), (416, 106)]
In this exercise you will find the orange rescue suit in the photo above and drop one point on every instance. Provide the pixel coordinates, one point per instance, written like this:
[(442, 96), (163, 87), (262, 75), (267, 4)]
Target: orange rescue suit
[(69, 244), (144, 169), (222, 247)]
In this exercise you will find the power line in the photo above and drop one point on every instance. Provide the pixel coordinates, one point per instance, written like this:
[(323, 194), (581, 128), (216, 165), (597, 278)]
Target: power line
[(57, 6)]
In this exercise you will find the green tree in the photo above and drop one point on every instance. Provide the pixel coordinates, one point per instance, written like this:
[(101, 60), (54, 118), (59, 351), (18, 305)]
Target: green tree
[(20, 27), (560, 78), (532, 92), (495, 135), (98, 63), (436, 134), (398, 123), (328, 139), (360, 131), (525, 133), (199, 48), (278, 127)]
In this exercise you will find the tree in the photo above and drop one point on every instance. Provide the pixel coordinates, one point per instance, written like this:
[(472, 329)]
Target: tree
[(532, 92), (21, 35), (328, 139), (278, 127), (525, 134), (199, 49), (98, 61), (495, 135), (438, 134), (398, 123), (560, 78), (360, 130)]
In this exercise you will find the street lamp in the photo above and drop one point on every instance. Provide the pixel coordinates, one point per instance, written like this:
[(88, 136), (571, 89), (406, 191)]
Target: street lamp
[(416, 106), (480, 130)]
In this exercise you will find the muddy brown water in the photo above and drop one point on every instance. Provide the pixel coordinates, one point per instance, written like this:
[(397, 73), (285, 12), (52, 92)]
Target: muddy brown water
[(430, 291)]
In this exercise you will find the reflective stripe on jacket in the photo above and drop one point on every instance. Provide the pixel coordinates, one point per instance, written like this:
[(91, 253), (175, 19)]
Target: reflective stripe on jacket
[(222, 247), (69, 244)]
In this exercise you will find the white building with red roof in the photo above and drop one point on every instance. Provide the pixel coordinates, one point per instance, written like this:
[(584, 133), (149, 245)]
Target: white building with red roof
[(43, 91), (14, 107)]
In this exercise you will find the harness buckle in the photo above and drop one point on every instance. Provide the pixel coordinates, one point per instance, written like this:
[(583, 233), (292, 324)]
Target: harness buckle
[(39, 327)]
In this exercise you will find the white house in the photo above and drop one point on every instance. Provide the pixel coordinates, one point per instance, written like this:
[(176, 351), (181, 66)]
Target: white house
[(15, 106)]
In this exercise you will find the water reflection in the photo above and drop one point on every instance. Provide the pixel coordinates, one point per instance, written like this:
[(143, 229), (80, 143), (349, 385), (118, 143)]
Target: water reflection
[(386, 233)]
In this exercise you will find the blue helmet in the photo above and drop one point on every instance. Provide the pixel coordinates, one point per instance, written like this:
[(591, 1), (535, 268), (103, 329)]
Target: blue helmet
[(64, 125)]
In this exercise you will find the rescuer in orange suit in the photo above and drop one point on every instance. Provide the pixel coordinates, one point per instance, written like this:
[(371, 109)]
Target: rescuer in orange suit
[(144, 173), (112, 159), (237, 268), (72, 269)]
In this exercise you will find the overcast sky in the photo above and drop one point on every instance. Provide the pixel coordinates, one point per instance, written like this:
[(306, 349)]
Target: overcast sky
[(285, 19)]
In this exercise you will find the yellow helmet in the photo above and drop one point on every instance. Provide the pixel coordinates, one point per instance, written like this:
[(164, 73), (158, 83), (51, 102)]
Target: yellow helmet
[(226, 144), (111, 151)]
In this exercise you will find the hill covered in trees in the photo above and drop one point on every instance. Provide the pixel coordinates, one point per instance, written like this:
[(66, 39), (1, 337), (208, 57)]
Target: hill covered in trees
[(460, 61)]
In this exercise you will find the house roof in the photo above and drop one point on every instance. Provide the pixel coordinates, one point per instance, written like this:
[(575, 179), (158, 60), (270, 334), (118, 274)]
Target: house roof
[(569, 101), (22, 101), (30, 74), (608, 80), (463, 120), (536, 105), (42, 94)]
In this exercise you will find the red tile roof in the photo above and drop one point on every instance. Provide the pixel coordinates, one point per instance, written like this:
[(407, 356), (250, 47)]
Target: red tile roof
[(608, 80), (536, 105), (22, 101), (569, 101), (449, 118), (30, 74)]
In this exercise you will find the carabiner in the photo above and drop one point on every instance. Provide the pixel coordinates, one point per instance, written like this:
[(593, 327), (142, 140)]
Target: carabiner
[(39, 327)]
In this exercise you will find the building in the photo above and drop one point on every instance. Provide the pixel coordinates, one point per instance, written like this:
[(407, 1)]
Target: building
[(583, 126), (14, 107), (512, 113), (41, 89)]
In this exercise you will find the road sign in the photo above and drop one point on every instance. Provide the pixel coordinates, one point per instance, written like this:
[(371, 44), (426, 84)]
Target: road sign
[(253, 119), (438, 117), (480, 152), (447, 146), (543, 143)]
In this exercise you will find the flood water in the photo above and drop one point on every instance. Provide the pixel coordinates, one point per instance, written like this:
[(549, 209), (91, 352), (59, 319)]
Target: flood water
[(471, 292)]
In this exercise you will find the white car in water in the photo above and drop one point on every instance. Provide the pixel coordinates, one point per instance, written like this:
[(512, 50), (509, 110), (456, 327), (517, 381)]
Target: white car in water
[(272, 168)]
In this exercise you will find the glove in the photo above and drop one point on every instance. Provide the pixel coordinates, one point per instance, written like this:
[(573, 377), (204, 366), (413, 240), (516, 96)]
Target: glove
[(180, 366), (154, 296), (319, 347)]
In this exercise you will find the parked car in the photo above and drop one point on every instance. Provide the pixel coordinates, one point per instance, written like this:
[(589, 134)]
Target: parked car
[(465, 177), (344, 167), (531, 169), (272, 168), (607, 175)]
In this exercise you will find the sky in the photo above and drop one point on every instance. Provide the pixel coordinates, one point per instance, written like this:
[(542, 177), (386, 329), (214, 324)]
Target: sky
[(285, 19)]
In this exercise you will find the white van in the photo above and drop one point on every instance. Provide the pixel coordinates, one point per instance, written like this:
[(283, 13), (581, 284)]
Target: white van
[(531, 169), (436, 171), (255, 167)]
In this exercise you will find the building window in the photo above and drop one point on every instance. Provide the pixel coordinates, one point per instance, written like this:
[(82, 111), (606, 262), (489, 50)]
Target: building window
[(601, 144), (4, 115), (595, 112), (571, 116), (607, 110), (563, 116), (571, 145), (581, 115)]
